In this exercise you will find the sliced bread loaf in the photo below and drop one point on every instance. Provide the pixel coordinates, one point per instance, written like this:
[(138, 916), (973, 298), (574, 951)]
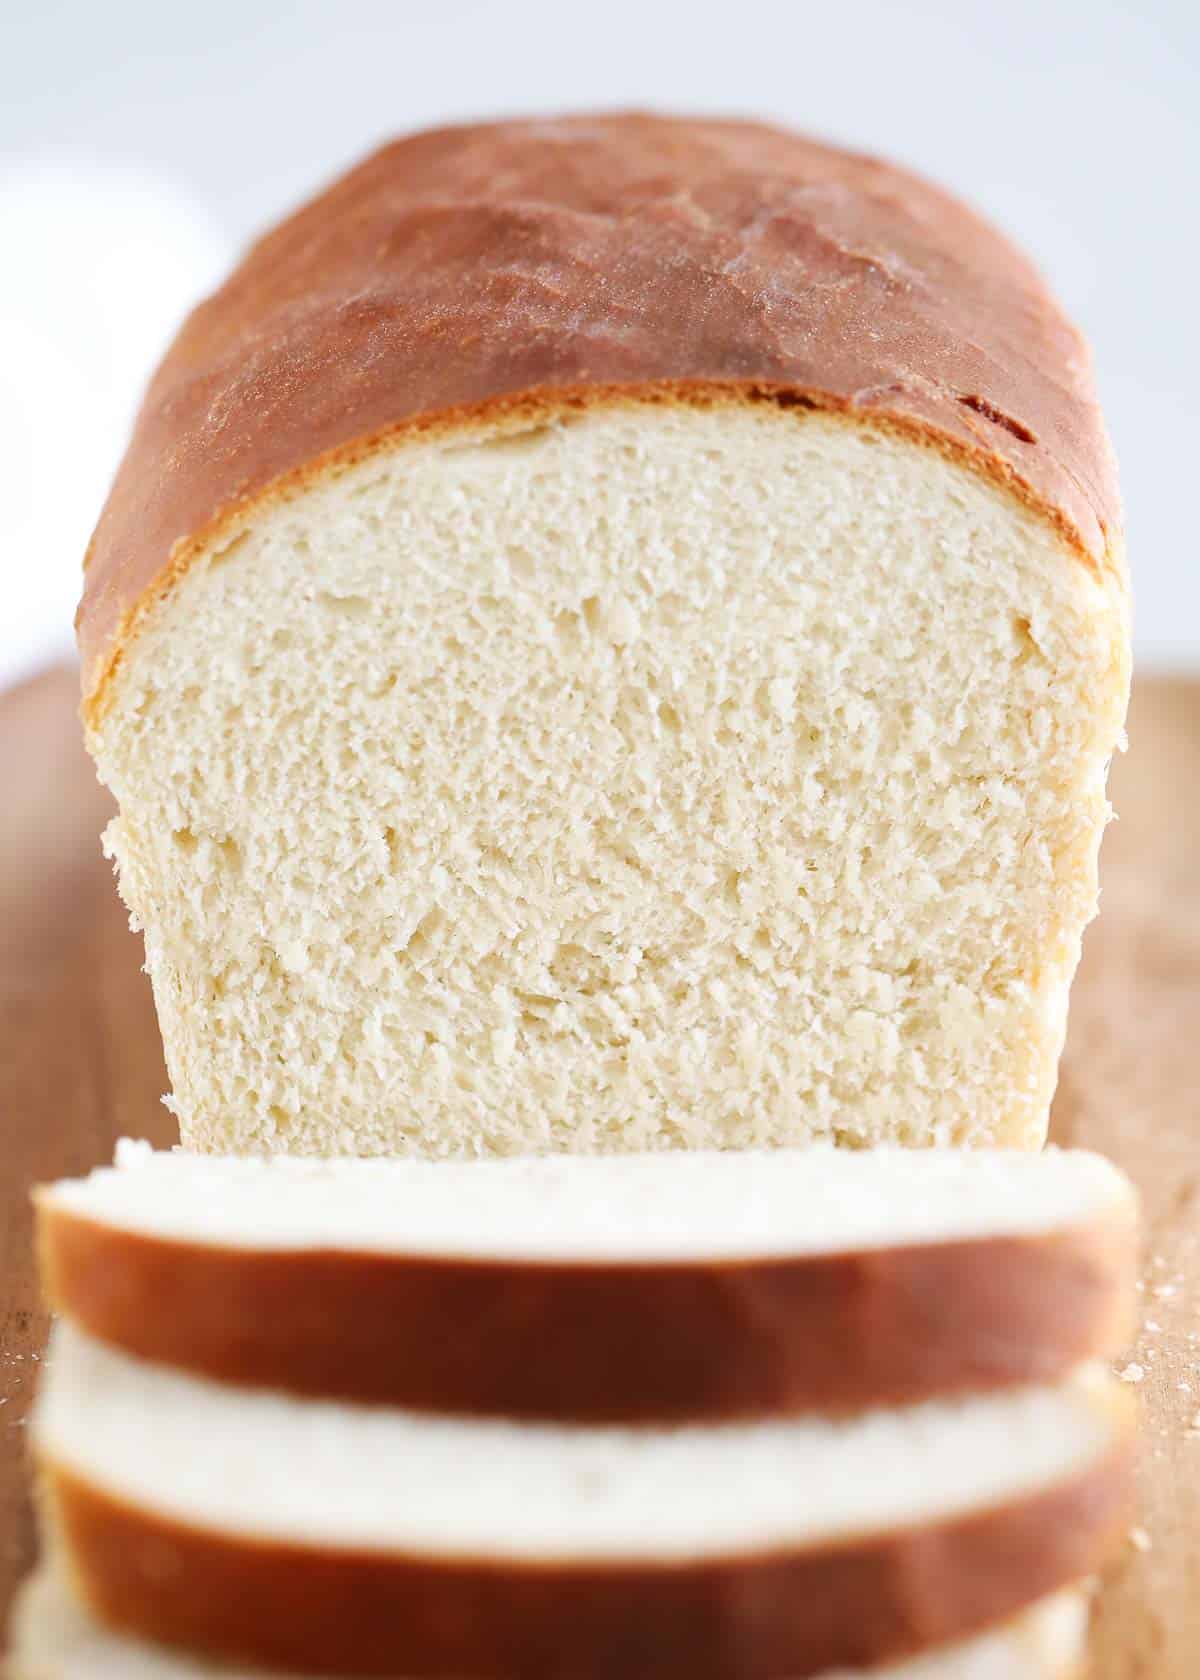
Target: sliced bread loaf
[(603, 1289), (609, 634), (372, 1541), (55, 1638)]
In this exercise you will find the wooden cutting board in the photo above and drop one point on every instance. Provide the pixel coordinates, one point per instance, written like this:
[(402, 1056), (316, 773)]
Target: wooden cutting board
[(80, 1065)]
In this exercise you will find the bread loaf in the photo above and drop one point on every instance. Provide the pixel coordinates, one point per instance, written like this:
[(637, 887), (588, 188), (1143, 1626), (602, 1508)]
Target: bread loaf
[(609, 635), (615, 1289), (371, 1541), (54, 1638)]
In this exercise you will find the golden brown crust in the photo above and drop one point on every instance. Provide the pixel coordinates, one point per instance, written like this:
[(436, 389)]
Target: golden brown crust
[(465, 273), (862, 1602), (604, 1343)]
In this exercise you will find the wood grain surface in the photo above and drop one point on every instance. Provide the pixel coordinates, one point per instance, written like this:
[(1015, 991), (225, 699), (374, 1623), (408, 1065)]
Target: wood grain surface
[(80, 1065)]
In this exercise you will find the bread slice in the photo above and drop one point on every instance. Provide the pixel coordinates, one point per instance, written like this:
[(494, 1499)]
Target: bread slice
[(609, 635), (588, 1289), (55, 1638), (373, 1541)]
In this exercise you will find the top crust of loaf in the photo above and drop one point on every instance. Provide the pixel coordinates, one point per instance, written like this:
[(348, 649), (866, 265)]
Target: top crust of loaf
[(538, 266)]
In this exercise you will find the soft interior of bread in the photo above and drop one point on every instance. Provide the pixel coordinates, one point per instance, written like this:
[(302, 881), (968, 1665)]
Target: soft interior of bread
[(701, 1206), (389, 1479), (54, 1638), (657, 776)]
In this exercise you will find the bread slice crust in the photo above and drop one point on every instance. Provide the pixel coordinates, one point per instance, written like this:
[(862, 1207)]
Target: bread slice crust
[(54, 1638), (593, 1342), (867, 1601)]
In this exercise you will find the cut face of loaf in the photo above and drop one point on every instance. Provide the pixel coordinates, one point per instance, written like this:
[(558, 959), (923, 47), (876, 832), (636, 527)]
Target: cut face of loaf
[(618, 1289), (56, 1639), (303, 1534), (609, 636), (661, 777)]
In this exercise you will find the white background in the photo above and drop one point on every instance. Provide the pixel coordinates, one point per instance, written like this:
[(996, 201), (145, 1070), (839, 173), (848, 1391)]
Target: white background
[(142, 143)]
